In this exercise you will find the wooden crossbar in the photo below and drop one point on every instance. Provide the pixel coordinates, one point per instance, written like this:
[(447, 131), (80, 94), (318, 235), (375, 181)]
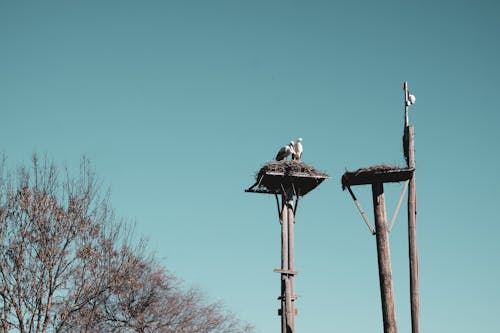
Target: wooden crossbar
[(285, 271)]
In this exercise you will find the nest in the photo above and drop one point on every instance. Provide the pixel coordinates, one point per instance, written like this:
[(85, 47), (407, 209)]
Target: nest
[(281, 176), (289, 168), (373, 169), (383, 172)]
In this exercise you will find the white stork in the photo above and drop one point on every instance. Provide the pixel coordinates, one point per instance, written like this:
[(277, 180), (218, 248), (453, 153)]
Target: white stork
[(298, 150), (285, 151), (411, 99)]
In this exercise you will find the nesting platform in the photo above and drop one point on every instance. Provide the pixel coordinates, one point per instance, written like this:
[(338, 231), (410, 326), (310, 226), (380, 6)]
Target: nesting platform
[(276, 177), (376, 174)]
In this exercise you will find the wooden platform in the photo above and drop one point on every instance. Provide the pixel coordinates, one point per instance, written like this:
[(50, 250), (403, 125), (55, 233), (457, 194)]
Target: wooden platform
[(376, 174), (273, 182)]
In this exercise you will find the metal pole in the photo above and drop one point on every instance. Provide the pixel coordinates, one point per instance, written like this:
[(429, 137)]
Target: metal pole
[(405, 88), (384, 259)]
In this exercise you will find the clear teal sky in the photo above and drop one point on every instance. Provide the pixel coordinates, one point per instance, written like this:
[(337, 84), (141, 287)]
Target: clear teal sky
[(178, 103)]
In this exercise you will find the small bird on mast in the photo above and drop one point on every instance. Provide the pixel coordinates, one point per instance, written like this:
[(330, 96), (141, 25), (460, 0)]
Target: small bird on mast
[(409, 100), (412, 99), (298, 150), (285, 151)]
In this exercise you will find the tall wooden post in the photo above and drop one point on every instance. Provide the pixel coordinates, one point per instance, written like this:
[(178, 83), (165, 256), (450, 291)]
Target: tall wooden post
[(409, 148), (384, 259), (412, 236), (284, 261), (291, 258), (288, 179), (287, 220)]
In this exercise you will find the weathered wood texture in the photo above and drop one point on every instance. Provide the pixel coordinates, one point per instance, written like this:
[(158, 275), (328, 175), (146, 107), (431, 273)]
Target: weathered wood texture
[(284, 235), (384, 259), (361, 211), (285, 271), (278, 177), (291, 260), (275, 183), (290, 179), (400, 201), (282, 311), (284, 262), (375, 174), (412, 235), (287, 220)]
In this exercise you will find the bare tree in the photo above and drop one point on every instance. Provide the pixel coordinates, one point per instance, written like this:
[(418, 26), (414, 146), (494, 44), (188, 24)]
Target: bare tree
[(151, 300), (66, 264)]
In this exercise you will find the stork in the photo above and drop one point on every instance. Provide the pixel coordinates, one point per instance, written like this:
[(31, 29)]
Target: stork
[(285, 151), (298, 150)]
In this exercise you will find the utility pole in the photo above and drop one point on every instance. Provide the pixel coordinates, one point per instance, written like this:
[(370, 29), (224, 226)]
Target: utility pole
[(384, 259), (409, 148), (376, 176), (290, 180)]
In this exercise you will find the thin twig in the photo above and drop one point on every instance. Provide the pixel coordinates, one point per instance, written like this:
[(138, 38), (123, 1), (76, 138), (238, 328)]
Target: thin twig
[(256, 183)]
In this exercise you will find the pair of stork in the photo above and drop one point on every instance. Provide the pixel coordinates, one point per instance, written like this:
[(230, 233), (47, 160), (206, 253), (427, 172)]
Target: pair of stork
[(294, 149)]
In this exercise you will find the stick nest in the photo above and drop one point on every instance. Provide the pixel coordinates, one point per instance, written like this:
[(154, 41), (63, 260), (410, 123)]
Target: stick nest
[(280, 177), (367, 171), (289, 168)]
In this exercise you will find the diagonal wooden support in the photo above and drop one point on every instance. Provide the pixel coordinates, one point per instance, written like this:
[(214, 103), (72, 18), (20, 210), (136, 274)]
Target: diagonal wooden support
[(278, 206), (361, 211), (395, 214)]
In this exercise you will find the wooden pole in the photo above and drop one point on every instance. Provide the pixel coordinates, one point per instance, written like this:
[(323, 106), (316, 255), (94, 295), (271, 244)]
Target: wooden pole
[(284, 261), (287, 221), (291, 258), (288, 303), (284, 233), (384, 259), (412, 236), (407, 93)]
